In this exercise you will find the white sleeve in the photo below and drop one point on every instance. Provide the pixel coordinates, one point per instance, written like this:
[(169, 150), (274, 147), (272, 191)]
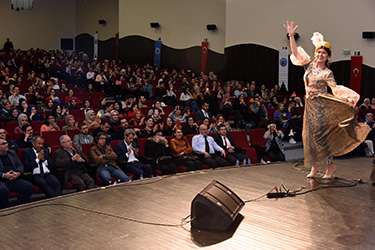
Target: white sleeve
[(303, 57), (194, 144)]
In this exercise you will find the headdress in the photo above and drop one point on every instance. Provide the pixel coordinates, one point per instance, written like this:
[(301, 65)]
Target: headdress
[(318, 41)]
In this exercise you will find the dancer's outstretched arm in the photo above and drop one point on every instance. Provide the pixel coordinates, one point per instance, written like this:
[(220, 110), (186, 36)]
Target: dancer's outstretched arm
[(299, 56), (291, 28)]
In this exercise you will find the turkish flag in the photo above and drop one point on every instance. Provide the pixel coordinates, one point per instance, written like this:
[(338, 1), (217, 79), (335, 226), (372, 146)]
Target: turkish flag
[(356, 73), (204, 55)]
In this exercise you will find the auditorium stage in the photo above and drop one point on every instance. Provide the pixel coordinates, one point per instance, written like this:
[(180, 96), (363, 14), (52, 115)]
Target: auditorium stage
[(335, 218)]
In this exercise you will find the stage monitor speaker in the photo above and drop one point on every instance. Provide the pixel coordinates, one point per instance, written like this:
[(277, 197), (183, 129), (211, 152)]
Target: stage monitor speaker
[(155, 25), (211, 27), (368, 35), (215, 208)]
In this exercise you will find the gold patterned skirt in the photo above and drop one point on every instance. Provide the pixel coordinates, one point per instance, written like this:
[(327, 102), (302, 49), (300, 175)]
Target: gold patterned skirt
[(329, 129)]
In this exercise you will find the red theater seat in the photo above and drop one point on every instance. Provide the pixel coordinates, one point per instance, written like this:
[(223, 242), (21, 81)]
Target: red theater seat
[(86, 149), (141, 144), (52, 138), (78, 114), (36, 126), (256, 136), (239, 138)]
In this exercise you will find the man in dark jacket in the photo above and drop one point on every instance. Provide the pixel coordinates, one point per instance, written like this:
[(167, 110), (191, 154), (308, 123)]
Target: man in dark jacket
[(73, 165), (11, 169), (38, 162), (127, 153), (235, 155)]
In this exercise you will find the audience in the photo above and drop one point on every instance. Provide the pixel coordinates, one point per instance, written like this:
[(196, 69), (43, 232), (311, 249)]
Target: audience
[(103, 96), (234, 154), (274, 145), (102, 157), (183, 152), (207, 149), (83, 137), (158, 154), (127, 153), (11, 169), (49, 125), (39, 163), (71, 165)]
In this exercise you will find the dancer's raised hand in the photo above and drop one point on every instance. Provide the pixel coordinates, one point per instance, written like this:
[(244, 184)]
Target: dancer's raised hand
[(290, 27)]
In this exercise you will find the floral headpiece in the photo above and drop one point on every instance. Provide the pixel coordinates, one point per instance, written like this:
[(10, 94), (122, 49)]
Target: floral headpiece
[(318, 41)]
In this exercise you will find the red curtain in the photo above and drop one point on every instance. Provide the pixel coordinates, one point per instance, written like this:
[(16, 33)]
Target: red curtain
[(356, 73), (204, 55)]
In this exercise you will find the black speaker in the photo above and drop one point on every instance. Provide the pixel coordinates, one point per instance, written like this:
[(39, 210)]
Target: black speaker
[(368, 35), (211, 27), (155, 25), (102, 22), (215, 208)]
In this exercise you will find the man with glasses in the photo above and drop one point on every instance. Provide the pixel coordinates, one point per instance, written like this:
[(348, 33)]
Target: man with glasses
[(11, 169), (71, 165)]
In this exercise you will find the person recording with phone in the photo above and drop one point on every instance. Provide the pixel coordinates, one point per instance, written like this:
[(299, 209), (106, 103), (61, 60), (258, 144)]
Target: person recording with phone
[(274, 145)]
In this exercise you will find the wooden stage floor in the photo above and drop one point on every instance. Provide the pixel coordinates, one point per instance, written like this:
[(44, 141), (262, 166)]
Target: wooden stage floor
[(335, 218)]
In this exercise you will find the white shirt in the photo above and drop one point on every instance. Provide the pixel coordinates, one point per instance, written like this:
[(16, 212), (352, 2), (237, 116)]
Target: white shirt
[(130, 154), (90, 75), (226, 142), (199, 145), (185, 97), (44, 164), (205, 114)]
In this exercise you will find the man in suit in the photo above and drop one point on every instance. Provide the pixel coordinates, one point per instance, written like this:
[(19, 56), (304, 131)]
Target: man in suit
[(38, 162), (127, 152), (11, 169), (203, 113), (234, 154), (207, 149), (72, 164)]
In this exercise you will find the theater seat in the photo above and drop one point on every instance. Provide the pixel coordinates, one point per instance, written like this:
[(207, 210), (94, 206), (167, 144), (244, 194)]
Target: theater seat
[(36, 126), (239, 138), (141, 145), (114, 143), (51, 138), (86, 149), (78, 114), (256, 136)]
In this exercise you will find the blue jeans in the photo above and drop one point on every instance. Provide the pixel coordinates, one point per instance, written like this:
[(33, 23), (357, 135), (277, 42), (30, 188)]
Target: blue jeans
[(107, 172)]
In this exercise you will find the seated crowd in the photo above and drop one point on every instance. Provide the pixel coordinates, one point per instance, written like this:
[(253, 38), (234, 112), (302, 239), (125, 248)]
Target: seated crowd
[(68, 122)]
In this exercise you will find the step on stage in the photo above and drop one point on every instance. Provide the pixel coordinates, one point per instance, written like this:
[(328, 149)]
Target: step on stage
[(331, 218)]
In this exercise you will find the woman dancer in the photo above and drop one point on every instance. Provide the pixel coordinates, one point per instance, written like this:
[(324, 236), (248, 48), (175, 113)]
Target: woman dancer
[(329, 125)]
